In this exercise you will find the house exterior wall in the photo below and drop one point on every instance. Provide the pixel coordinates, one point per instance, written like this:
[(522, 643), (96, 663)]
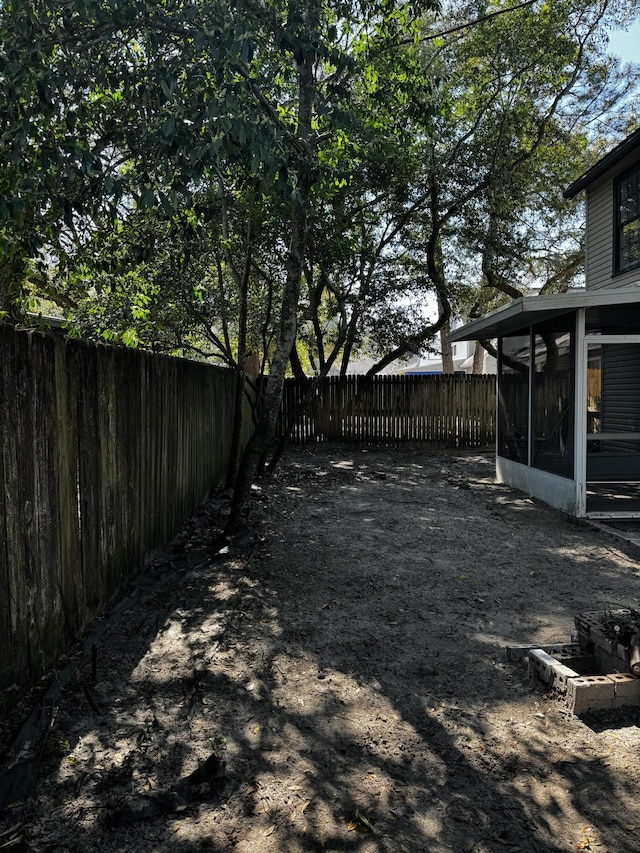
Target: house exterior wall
[(462, 353), (600, 228)]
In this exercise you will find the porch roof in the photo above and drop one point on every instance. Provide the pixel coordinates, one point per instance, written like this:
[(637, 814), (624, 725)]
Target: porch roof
[(526, 310)]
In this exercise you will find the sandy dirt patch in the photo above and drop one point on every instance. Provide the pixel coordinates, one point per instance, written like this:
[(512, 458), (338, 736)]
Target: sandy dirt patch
[(340, 683)]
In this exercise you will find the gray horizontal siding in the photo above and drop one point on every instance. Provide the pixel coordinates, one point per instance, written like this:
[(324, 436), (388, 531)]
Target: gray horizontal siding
[(599, 236), (600, 221)]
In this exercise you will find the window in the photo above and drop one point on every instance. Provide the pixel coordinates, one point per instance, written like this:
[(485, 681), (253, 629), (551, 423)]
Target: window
[(627, 233)]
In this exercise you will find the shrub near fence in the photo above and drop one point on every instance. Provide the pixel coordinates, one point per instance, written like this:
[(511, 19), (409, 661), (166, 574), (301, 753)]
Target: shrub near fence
[(452, 410), (105, 452)]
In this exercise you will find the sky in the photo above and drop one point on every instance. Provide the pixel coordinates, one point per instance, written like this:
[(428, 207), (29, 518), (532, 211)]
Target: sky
[(626, 44)]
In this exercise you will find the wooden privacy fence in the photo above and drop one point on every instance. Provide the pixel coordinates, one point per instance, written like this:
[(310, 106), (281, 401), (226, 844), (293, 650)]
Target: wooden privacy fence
[(453, 410), (105, 452)]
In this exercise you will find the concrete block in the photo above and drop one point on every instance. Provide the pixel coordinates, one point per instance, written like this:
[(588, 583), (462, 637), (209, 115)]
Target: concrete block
[(627, 688), (562, 675), (590, 693), (583, 664), (590, 629), (563, 650), (541, 663), (582, 624), (606, 662), (517, 654), (549, 669), (586, 643)]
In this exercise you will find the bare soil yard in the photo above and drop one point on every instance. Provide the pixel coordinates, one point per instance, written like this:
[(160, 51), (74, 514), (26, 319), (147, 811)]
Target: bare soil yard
[(340, 682)]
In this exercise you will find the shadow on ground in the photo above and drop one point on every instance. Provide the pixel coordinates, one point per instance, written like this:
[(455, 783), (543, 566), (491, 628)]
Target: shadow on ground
[(349, 669)]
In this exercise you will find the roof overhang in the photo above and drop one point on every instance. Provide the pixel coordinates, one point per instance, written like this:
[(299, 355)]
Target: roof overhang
[(527, 310), (615, 156)]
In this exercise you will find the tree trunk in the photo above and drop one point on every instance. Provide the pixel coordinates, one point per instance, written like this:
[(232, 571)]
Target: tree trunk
[(258, 444), (268, 415), (445, 349), (239, 398), (13, 271), (445, 344), (435, 266), (308, 397), (238, 405), (296, 365), (478, 359), (238, 429)]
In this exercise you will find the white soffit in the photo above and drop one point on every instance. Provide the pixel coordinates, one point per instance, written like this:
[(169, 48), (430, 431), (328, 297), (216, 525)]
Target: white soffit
[(523, 312)]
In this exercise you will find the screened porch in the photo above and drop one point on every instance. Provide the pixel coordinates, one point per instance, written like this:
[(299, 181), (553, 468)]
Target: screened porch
[(568, 418)]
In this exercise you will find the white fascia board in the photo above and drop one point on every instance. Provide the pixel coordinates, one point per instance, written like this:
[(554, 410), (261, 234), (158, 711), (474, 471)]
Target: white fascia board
[(522, 312)]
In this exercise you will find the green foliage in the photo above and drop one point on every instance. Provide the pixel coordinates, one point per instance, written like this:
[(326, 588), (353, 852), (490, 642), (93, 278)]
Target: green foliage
[(155, 153)]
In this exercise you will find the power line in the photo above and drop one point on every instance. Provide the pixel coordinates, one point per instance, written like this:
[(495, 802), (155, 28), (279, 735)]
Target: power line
[(474, 23)]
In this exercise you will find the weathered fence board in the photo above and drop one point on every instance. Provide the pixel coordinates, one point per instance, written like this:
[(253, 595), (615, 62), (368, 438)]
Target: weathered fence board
[(453, 410), (105, 452)]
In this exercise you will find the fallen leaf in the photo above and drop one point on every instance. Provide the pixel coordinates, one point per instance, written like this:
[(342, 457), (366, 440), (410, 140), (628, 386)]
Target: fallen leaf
[(363, 824), (269, 831), (352, 825)]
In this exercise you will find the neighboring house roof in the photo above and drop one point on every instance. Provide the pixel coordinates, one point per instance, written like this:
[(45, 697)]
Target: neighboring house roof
[(424, 368), (532, 309), (615, 156), (489, 364)]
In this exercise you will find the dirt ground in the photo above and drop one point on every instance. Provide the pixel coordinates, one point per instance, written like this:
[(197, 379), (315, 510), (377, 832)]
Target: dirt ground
[(340, 681)]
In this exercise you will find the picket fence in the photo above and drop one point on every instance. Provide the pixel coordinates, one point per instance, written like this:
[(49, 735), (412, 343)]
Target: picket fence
[(105, 452), (446, 410)]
